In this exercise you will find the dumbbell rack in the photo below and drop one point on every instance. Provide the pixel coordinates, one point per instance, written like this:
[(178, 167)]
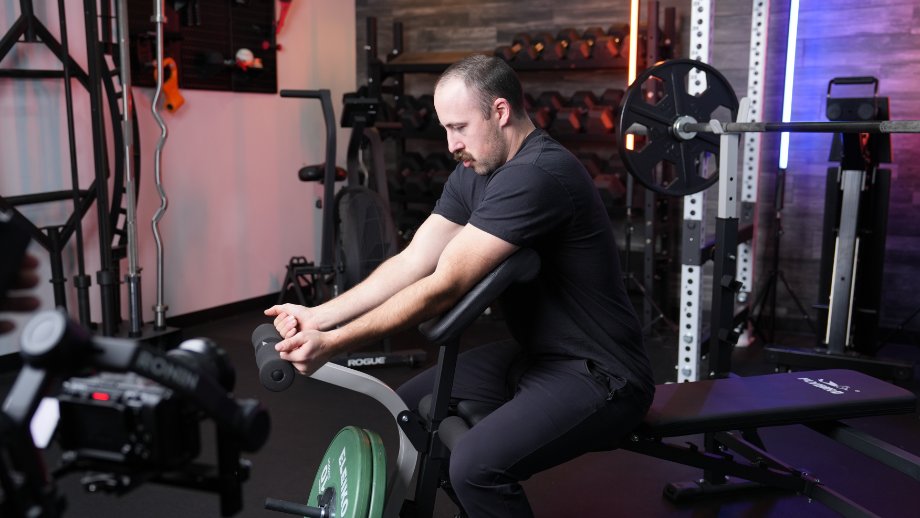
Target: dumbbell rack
[(660, 233)]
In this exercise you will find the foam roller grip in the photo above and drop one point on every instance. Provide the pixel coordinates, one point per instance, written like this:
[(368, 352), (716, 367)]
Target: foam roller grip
[(274, 373)]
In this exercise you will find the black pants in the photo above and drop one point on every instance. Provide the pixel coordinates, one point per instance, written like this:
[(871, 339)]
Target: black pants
[(551, 411)]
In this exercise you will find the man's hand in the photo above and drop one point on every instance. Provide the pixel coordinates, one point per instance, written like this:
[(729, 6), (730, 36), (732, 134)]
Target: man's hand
[(303, 344), (307, 350), (291, 319), (26, 279)]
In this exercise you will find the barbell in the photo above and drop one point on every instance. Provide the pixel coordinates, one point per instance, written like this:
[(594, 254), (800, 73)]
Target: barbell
[(679, 128)]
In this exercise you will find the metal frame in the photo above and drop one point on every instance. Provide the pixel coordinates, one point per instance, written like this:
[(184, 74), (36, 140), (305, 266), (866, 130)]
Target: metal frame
[(694, 228), (693, 231), (99, 82), (372, 387), (760, 22)]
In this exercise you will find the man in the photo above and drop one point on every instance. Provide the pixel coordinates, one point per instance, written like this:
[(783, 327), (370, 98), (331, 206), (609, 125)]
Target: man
[(576, 377)]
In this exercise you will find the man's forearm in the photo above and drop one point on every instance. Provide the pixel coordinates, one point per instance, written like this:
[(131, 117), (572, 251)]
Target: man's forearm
[(464, 263), (386, 280), (427, 298)]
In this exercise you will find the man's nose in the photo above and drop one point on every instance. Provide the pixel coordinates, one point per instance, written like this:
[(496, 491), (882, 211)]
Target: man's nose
[(454, 145)]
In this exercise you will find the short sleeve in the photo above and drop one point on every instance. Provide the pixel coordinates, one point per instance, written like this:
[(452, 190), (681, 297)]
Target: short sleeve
[(521, 204), (451, 205)]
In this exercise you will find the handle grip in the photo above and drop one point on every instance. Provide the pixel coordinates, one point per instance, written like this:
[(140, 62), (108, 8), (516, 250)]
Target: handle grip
[(275, 374)]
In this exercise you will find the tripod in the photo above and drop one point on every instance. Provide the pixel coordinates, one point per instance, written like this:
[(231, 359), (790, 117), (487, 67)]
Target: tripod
[(768, 293)]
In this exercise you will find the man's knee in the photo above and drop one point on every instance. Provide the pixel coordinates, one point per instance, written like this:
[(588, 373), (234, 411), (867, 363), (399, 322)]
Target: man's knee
[(472, 467)]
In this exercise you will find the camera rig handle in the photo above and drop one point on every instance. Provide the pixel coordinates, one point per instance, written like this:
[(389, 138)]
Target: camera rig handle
[(54, 348)]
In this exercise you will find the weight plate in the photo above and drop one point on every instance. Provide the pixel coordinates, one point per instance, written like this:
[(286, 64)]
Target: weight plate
[(655, 100), (347, 467), (379, 477)]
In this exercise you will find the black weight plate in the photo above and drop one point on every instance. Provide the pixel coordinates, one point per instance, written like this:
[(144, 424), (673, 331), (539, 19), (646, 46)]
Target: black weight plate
[(661, 143)]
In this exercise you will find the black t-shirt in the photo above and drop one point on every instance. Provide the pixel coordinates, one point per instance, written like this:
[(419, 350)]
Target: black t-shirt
[(544, 199)]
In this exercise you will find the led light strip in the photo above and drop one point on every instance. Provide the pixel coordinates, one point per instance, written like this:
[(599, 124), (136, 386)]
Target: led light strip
[(633, 54), (790, 75)]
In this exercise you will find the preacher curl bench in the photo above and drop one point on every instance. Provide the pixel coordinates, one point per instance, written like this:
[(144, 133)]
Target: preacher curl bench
[(728, 412)]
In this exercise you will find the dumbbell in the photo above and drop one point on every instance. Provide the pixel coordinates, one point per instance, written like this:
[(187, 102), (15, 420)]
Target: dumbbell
[(568, 36), (317, 173), (415, 180), (537, 47), (557, 48), (621, 33), (612, 97), (552, 100), (426, 102), (521, 41), (545, 108), (505, 52), (583, 48), (618, 32), (593, 163), (593, 33), (569, 120), (600, 120), (413, 114), (408, 221), (541, 116), (529, 102), (607, 45), (438, 161), (439, 166), (611, 188), (354, 465), (584, 99)]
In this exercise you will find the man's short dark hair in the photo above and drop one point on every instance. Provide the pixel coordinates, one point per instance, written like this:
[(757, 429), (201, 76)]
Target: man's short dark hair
[(491, 78)]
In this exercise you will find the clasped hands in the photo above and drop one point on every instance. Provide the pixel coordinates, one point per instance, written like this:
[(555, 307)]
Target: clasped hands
[(302, 344)]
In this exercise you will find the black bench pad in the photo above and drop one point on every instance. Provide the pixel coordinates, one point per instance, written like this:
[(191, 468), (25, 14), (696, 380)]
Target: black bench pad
[(771, 400)]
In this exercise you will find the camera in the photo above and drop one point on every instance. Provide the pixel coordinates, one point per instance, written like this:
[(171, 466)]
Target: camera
[(129, 420), (136, 421)]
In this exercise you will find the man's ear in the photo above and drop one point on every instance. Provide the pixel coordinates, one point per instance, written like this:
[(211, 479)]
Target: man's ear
[(502, 110)]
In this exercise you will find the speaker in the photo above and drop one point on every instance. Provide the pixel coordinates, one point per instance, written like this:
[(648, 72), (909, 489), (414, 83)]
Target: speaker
[(852, 108)]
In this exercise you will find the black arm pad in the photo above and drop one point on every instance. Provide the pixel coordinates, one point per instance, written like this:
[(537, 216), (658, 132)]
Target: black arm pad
[(274, 373), (522, 266)]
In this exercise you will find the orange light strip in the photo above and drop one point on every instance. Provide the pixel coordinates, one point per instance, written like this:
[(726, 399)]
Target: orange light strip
[(633, 54)]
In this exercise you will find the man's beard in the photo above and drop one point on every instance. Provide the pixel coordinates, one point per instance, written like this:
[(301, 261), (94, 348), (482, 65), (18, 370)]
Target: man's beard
[(486, 164)]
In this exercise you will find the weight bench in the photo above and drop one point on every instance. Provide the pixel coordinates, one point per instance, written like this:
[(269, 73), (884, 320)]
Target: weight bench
[(728, 412)]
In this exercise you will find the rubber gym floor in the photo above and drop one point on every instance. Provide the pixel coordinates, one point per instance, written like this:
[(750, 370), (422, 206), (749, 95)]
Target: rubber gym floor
[(608, 484)]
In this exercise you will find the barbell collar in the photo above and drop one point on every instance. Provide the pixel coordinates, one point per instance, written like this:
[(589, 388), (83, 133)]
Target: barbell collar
[(682, 127), (682, 122)]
